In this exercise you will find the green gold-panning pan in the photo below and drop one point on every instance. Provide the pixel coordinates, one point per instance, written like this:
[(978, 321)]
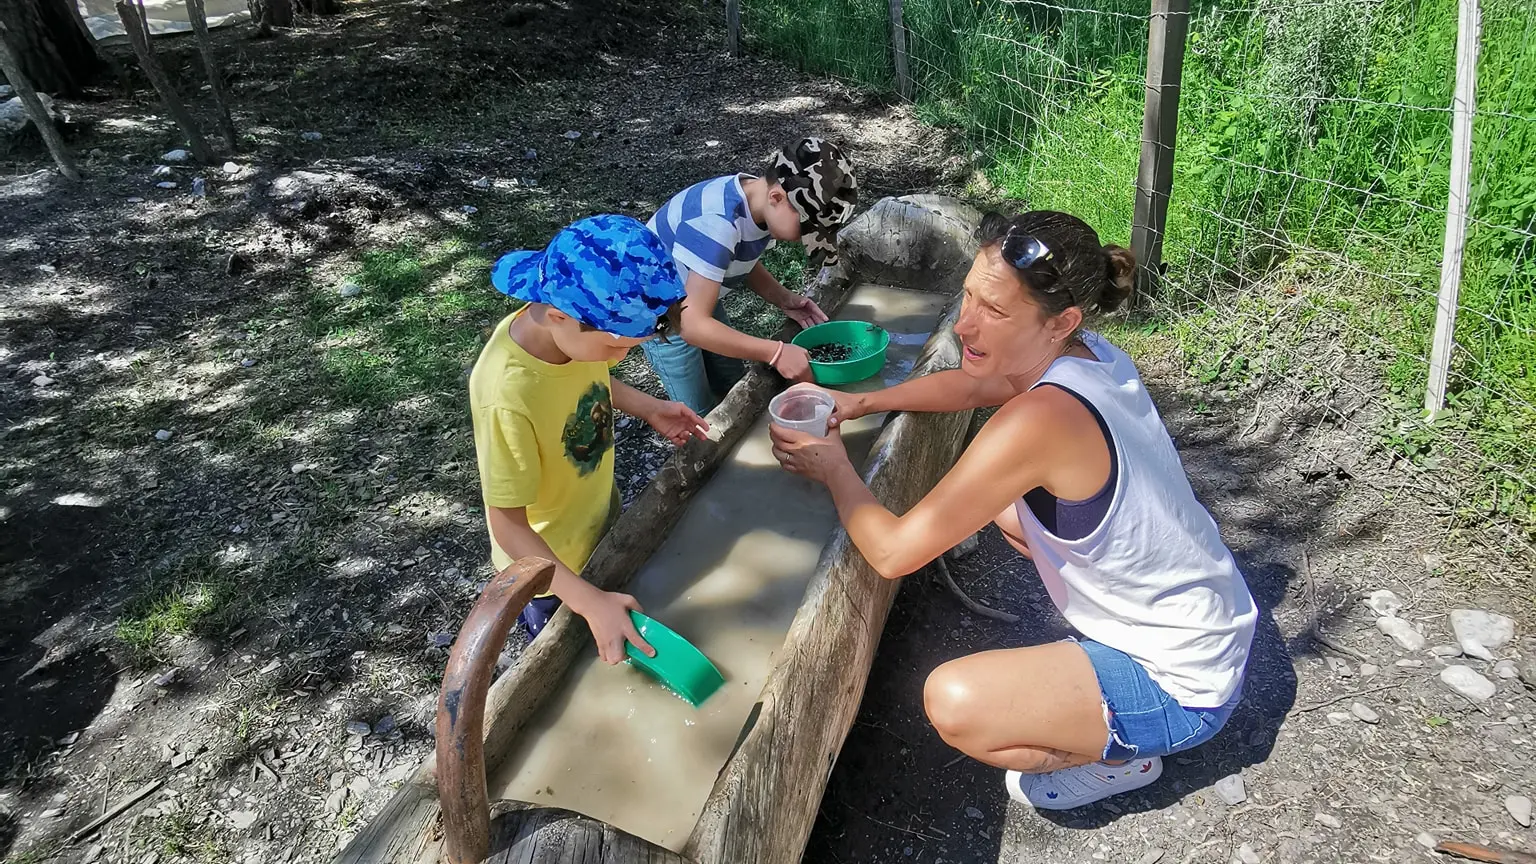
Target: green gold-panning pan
[(678, 665)]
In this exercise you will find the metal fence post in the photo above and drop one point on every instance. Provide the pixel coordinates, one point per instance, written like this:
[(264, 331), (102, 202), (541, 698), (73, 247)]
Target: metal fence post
[(899, 51), (733, 27), (1160, 125)]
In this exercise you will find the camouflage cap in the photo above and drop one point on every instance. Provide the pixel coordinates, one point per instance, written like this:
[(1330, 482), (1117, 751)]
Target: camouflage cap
[(821, 187), (608, 272)]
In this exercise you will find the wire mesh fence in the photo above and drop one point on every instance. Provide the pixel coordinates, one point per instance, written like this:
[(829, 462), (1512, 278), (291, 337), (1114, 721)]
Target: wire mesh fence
[(1311, 183)]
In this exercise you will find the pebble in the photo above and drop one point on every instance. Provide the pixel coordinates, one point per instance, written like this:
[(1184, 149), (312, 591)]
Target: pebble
[(1481, 633), (248, 362), (973, 813), (42, 381), (350, 289), (1506, 669), (1230, 790), (359, 728), (166, 184), (1152, 856), (162, 171), (1519, 808), (1384, 603), (1369, 669), (482, 183), (1364, 713), (711, 144), (1328, 820), (199, 187), (1338, 718), (572, 135), (163, 435), (1246, 854), (1402, 633), (1340, 668), (1409, 663), (1446, 650), (93, 854), (336, 801), (359, 786), (530, 154), (1427, 840), (53, 813), (469, 209), (385, 725), (441, 640), (311, 136), (134, 200), (177, 155), (242, 820), (1468, 683), (231, 168)]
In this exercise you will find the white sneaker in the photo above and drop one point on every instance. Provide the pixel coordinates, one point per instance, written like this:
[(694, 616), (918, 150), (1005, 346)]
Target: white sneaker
[(1076, 787)]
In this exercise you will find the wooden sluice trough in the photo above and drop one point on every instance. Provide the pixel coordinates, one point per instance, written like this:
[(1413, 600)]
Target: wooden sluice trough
[(765, 796)]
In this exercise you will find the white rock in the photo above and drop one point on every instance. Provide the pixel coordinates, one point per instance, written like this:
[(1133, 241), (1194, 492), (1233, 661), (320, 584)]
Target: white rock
[(163, 435), (1409, 663), (1384, 603), (134, 200), (350, 289), (1369, 669), (176, 156), (1402, 633), (311, 136), (1427, 840), (199, 187), (231, 168), (42, 381), (166, 184), (336, 801), (248, 362), (482, 183), (1246, 855), (572, 135), (1506, 669), (1468, 683), (53, 813), (1230, 790), (1338, 718), (1364, 712), (1443, 651), (163, 171), (13, 114), (1328, 820), (1481, 633), (1519, 808), (711, 144), (359, 785), (469, 209), (242, 820)]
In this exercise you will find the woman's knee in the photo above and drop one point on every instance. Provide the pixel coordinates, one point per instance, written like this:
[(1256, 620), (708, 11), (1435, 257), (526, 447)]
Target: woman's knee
[(949, 698)]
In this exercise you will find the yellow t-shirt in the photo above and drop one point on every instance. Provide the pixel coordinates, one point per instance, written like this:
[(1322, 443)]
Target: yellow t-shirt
[(544, 441)]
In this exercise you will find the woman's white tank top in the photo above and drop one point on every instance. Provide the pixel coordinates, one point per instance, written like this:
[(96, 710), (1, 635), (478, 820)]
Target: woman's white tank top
[(1154, 579)]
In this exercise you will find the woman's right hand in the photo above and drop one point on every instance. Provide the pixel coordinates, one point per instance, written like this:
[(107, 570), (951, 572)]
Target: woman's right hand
[(794, 363), (607, 616)]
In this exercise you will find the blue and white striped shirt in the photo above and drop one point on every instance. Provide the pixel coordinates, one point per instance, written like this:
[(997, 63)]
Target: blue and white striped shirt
[(710, 230)]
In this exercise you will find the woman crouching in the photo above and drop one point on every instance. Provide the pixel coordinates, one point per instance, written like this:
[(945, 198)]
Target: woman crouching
[(1080, 474)]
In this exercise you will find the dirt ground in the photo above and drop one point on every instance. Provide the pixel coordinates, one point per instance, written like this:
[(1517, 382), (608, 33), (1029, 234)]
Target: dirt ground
[(238, 516)]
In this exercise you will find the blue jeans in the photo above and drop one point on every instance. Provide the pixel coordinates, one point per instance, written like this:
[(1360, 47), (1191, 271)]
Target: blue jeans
[(1144, 720), (691, 375)]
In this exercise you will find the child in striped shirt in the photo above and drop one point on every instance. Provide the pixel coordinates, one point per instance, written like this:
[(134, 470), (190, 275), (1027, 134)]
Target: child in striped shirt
[(717, 231)]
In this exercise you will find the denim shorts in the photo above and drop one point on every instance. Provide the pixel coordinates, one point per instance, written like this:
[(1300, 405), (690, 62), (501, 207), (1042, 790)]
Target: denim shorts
[(1143, 720), (691, 375)]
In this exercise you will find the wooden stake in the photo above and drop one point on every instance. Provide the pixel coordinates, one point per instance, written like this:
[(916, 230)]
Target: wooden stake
[(1463, 105), (138, 35), (733, 27), (198, 15), (899, 51), (10, 64), (1159, 130), (117, 810)]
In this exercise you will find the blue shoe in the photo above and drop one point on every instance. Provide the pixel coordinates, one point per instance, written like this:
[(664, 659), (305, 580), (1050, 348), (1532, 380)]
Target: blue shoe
[(537, 614)]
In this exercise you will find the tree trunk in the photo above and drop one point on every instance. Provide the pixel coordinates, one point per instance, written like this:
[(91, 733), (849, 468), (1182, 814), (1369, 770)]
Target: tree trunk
[(270, 13), (11, 66), (198, 15), (51, 50), (138, 35), (320, 7)]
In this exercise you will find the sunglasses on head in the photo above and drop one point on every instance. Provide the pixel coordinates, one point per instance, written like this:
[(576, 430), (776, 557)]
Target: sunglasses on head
[(1029, 254)]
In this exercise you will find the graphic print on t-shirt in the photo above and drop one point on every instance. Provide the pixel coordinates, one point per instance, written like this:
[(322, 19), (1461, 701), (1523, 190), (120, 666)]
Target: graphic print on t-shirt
[(588, 433)]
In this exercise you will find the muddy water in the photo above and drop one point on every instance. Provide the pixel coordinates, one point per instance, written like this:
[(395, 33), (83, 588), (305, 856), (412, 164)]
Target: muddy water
[(614, 745)]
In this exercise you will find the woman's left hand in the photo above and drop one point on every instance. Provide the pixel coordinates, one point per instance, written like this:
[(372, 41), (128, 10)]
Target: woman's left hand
[(805, 454)]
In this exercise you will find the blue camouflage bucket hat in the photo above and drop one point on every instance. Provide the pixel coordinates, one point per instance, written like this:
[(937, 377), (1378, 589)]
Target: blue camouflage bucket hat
[(608, 272)]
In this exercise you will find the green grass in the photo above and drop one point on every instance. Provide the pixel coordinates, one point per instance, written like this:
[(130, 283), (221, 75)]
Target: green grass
[(1310, 181), (198, 596)]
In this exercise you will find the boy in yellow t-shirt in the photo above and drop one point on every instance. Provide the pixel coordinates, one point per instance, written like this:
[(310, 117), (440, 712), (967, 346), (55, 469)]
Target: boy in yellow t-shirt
[(542, 398)]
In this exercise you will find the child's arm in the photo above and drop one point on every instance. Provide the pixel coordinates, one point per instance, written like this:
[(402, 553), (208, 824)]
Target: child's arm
[(801, 309), (675, 421), (606, 612), (702, 329)]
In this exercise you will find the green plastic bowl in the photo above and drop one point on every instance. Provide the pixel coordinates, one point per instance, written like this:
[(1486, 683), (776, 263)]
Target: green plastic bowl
[(678, 665), (866, 350)]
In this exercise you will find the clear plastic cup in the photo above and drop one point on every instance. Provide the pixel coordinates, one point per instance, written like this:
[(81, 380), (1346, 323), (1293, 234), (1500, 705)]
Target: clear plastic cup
[(804, 410)]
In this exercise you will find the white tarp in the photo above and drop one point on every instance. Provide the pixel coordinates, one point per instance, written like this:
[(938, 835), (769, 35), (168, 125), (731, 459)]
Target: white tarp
[(165, 16)]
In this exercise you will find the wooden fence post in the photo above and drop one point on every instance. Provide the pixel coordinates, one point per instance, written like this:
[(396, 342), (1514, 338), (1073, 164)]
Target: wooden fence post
[(1159, 129), (1464, 105), (733, 27), (10, 64), (899, 51)]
